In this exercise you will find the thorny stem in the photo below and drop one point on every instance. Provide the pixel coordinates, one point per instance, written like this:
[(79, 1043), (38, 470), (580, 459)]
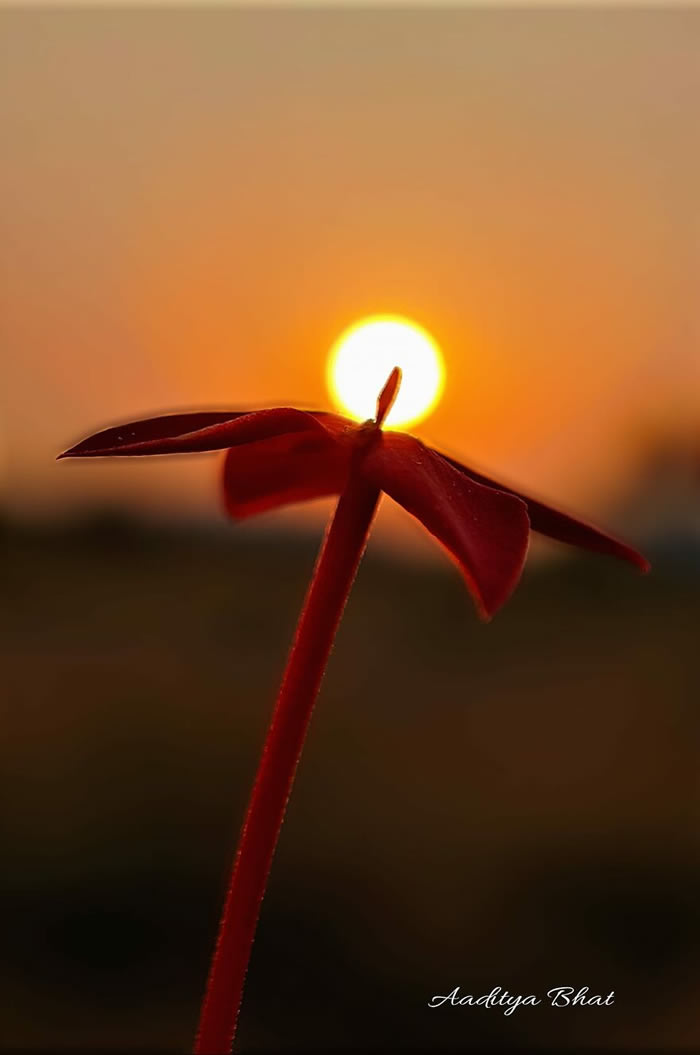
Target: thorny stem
[(332, 579)]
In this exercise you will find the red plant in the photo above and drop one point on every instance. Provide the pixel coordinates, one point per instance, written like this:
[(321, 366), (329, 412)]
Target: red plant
[(285, 455)]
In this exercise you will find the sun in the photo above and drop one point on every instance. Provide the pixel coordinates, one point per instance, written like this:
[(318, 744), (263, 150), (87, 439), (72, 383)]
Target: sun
[(365, 354)]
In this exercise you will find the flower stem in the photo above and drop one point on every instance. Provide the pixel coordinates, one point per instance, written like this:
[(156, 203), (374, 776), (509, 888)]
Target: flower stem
[(332, 579)]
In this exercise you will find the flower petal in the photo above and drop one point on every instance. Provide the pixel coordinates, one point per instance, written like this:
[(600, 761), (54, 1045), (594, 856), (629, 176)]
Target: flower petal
[(343, 429), (294, 467), (485, 531), (189, 433), (557, 525)]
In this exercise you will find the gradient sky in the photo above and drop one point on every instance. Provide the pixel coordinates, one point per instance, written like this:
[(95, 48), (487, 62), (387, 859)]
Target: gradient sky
[(195, 204)]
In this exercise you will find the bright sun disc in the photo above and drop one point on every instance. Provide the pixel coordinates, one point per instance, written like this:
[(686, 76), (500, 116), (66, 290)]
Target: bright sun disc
[(364, 355)]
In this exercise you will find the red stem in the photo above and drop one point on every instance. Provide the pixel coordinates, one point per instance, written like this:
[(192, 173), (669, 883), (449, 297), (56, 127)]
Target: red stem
[(332, 579)]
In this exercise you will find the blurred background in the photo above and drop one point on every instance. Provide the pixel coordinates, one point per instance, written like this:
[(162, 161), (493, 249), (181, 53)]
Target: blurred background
[(194, 204)]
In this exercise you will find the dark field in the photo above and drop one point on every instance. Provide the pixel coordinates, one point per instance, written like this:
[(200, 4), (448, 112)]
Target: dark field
[(510, 805)]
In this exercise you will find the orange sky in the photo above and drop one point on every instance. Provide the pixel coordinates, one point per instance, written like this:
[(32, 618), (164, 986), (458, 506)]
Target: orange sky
[(195, 204)]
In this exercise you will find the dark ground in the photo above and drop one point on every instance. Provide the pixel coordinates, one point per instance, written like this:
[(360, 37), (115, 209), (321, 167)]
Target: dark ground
[(511, 805)]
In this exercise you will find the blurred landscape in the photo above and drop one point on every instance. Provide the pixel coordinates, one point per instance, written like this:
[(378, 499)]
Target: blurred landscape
[(513, 804)]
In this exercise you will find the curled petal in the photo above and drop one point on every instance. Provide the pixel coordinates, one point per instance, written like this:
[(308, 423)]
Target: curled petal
[(561, 526), (191, 433), (485, 531), (294, 467)]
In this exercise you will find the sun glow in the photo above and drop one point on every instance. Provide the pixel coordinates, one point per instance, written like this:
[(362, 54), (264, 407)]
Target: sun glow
[(364, 355)]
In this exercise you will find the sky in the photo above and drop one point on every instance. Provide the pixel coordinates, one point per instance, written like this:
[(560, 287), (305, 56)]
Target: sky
[(194, 204)]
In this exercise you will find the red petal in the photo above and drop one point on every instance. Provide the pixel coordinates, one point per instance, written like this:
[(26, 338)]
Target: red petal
[(294, 467), (189, 433), (341, 428), (484, 530), (560, 526)]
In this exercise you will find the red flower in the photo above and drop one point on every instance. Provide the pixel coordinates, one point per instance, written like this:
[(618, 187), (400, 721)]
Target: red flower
[(285, 455)]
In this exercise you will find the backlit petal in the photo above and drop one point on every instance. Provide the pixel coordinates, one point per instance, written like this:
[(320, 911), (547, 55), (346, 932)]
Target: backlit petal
[(557, 525), (294, 467), (191, 433), (485, 531)]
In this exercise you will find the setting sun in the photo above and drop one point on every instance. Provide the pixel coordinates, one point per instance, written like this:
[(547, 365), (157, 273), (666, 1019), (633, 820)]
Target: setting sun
[(365, 354)]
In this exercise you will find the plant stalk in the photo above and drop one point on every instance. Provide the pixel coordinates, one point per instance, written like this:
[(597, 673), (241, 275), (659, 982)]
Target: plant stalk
[(333, 576)]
